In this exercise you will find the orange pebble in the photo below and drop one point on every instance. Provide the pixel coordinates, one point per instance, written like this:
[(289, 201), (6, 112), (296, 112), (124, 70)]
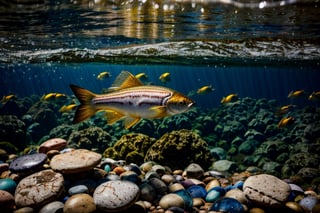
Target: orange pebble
[(118, 170)]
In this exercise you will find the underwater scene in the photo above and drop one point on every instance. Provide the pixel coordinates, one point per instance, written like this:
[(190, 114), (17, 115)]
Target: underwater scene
[(160, 106)]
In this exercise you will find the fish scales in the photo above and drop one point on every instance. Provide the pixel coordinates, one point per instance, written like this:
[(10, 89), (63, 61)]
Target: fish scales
[(139, 96)]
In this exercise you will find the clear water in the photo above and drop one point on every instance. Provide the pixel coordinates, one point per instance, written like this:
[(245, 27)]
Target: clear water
[(259, 49)]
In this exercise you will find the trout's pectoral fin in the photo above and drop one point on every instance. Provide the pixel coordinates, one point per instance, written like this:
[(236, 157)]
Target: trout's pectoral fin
[(130, 121), (159, 111), (113, 116)]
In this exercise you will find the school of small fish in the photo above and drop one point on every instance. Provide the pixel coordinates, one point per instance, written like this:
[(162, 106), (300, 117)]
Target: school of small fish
[(128, 99)]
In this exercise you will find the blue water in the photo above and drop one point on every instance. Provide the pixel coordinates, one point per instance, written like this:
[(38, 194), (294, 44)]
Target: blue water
[(255, 49), (270, 82)]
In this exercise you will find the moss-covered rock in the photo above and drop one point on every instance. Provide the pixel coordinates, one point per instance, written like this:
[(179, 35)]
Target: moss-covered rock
[(90, 138), (13, 130), (178, 149), (130, 147)]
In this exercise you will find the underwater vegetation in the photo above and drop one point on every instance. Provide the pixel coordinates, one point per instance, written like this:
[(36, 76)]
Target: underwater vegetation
[(244, 131)]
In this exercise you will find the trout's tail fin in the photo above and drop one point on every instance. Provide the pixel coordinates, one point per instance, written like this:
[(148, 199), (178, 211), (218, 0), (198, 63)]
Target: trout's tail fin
[(85, 110)]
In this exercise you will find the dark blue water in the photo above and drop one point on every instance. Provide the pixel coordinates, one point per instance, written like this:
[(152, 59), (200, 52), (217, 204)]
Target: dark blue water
[(270, 82), (255, 49)]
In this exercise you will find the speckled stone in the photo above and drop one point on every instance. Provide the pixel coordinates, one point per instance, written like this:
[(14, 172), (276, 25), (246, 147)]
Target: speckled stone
[(266, 190), (6, 201), (27, 163), (114, 196), (79, 203), (75, 161), (52, 207), (39, 189), (53, 144)]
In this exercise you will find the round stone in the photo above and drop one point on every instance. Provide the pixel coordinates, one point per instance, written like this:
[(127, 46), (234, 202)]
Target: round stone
[(194, 171), (307, 203), (53, 144), (147, 192), (8, 185), (266, 190), (28, 163), (75, 161), (213, 183), (78, 190), (53, 207), (197, 191), (227, 204), (171, 200), (25, 210), (238, 195), (39, 189), (6, 201), (83, 203), (114, 196)]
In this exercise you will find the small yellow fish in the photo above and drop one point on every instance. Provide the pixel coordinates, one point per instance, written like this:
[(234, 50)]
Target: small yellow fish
[(103, 75), (48, 97), (205, 90), (315, 96), (142, 76), (286, 121), (165, 77), (67, 108), (296, 94), (131, 100), (284, 109), (229, 98), (7, 98), (53, 96)]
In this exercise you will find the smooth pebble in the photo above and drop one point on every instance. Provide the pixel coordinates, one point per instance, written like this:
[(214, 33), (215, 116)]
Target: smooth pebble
[(78, 189), (53, 144), (52, 207), (6, 201), (80, 203), (27, 163), (8, 185), (115, 195), (75, 161)]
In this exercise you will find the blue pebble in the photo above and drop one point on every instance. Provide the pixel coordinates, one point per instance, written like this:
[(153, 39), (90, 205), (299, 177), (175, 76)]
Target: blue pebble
[(308, 203), (227, 204), (65, 199), (219, 189), (78, 189), (228, 188), (197, 191), (185, 195), (107, 168), (238, 185), (8, 185), (212, 196)]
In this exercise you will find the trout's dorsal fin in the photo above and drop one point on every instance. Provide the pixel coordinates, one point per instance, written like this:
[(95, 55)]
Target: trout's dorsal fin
[(125, 80)]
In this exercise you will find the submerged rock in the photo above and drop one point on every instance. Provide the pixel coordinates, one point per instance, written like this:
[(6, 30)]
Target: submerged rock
[(178, 149), (13, 130), (90, 138), (131, 147)]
